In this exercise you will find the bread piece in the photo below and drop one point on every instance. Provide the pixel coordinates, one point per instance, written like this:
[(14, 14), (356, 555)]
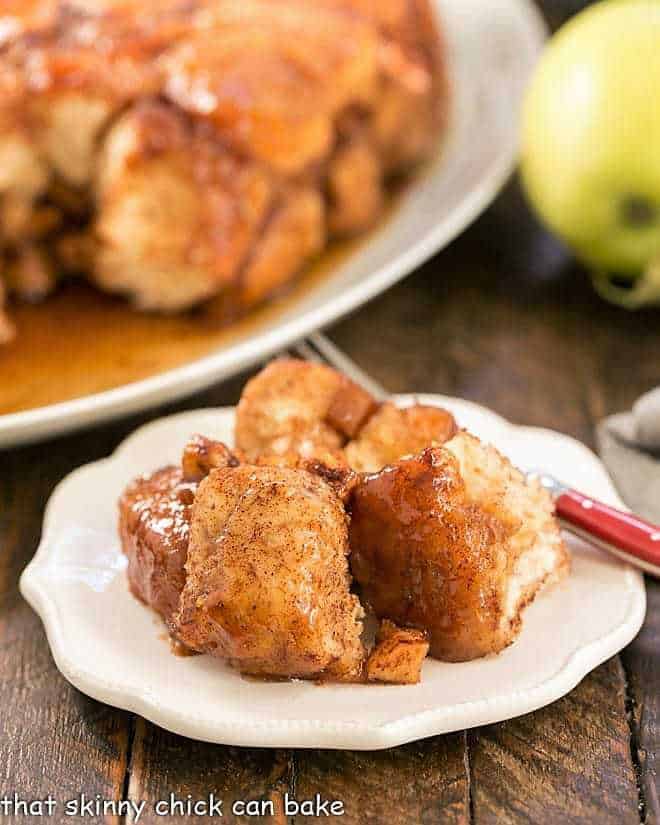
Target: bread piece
[(394, 432), (298, 406), (454, 548), (268, 583)]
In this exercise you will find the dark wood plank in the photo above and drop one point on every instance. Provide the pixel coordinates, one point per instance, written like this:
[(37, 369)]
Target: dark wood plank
[(424, 782), (54, 740), (163, 764), (623, 373), (642, 663), (569, 762)]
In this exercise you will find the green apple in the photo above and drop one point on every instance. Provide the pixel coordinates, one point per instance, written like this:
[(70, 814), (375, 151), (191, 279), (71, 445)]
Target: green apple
[(591, 141)]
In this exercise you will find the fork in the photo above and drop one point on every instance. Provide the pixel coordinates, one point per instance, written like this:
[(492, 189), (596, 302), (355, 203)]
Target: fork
[(622, 534)]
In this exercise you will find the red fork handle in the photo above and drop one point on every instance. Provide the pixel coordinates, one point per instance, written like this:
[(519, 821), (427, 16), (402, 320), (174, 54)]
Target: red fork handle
[(627, 536)]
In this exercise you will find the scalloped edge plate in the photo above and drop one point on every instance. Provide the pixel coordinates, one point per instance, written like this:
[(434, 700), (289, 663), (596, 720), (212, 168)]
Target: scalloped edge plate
[(491, 53), (114, 649)]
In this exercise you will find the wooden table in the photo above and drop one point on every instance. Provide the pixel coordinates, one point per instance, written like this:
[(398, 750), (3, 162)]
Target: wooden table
[(502, 317)]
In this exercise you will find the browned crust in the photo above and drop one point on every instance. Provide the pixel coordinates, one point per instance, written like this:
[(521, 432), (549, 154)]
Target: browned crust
[(350, 408)]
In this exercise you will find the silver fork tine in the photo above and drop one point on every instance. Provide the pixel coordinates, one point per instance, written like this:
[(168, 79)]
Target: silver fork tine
[(319, 349), (303, 349)]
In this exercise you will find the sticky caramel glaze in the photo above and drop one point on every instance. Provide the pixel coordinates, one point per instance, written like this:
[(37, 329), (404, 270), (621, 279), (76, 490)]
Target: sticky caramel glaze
[(426, 558), (154, 527), (108, 344), (110, 48)]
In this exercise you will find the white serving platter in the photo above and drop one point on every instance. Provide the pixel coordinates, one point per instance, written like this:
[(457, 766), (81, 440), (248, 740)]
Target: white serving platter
[(492, 48)]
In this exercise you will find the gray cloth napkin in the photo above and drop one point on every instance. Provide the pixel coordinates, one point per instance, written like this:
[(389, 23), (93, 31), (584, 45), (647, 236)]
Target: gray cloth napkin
[(629, 444)]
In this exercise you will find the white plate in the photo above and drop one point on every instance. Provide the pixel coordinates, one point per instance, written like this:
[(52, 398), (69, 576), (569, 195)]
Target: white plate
[(492, 49), (113, 648)]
